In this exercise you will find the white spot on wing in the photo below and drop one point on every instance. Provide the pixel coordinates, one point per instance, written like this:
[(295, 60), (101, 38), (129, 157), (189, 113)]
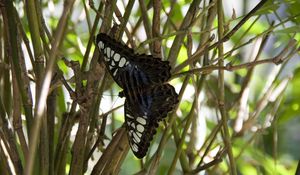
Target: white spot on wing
[(122, 62), (134, 147), (110, 67), (140, 128), (129, 116), (117, 57), (130, 133), (113, 63), (101, 45), (139, 134), (133, 125), (115, 72), (136, 137), (112, 53), (108, 51), (141, 120)]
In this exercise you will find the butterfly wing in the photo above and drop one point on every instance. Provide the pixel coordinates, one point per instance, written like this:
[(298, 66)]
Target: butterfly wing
[(143, 111), (144, 69), (148, 99)]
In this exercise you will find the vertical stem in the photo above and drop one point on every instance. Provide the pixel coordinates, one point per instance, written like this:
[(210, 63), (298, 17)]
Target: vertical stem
[(146, 21), (186, 23), (41, 102), (221, 100), (6, 93), (126, 16), (91, 41), (11, 23), (31, 12), (156, 28), (77, 161), (33, 22), (51, 108), (7, 138)]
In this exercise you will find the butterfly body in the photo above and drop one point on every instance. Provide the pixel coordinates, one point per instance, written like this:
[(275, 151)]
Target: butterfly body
[(148, 97)]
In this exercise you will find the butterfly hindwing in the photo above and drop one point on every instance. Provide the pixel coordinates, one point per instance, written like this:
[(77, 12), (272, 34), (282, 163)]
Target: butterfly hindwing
[(139, 131), (143, 112), (119, 58)]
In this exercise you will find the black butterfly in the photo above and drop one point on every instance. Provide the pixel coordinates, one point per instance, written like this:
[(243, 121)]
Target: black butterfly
[(148, 97)]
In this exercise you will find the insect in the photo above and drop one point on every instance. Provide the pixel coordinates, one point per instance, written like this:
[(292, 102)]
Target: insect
[(143, 79)]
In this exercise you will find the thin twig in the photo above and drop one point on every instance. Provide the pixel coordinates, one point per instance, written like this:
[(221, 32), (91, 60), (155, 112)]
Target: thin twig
[(221, 92), (239, 25), (156, 28), (276, 60), (186, 23), (146, 22)]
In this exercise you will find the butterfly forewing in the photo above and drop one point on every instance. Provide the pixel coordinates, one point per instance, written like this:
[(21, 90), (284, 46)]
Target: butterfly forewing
[(119, 58)]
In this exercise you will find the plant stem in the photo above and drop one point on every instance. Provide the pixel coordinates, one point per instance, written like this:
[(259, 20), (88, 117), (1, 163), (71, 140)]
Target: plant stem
[(221, 100)]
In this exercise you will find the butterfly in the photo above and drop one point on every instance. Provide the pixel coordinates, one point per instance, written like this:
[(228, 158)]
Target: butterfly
[(143, 78)]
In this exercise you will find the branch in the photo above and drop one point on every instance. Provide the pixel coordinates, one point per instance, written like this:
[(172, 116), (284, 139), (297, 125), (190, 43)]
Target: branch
[(280, 58)]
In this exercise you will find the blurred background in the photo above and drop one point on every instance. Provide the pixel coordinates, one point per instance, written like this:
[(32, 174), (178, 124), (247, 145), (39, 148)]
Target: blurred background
[(254, 71)]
